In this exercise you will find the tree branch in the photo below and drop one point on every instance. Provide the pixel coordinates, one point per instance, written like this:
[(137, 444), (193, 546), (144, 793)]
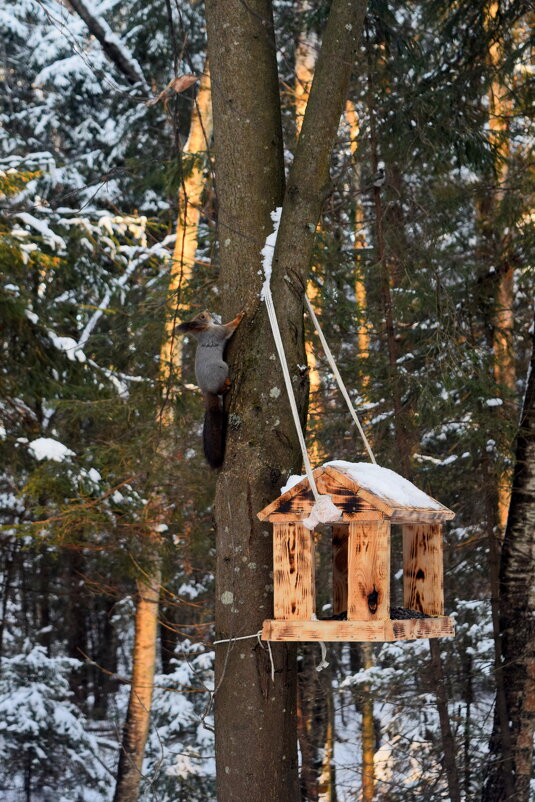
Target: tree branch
[(110, 43)]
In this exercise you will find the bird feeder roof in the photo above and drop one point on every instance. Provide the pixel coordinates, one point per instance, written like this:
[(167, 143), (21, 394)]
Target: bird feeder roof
[(361, 491)]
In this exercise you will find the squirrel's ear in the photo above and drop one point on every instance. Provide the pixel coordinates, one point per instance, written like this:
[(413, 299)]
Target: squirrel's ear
[(184, 327)]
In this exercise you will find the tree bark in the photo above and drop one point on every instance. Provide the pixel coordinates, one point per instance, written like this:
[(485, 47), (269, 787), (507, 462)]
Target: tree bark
[(255, 718), (136, 728), (187, 226), (448, 741), (509, 775)]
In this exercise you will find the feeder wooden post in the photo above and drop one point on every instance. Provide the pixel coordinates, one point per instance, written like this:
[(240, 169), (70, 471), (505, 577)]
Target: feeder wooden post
[(368, 570), (423, 583), (340, 538), (293, 576)]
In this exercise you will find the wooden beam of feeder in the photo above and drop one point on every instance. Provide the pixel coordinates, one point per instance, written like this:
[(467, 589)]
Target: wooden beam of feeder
[(423, 576), (368, 571), (293, 576), (340, 539), (411, 629)]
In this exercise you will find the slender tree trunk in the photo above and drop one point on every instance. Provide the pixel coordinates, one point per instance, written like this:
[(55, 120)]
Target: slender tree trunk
[(402, 450), (305, 60), (187, 226), (368, 729), (500, 112), (509, 775), (448, 740), (255, 718), (136, 728), (360, 241)]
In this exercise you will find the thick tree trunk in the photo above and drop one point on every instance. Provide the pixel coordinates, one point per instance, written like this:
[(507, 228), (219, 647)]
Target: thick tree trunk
[(255, 718), (136, 726), (509, 775)]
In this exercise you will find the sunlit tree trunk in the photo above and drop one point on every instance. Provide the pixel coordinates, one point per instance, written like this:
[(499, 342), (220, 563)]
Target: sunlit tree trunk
[(500, 111), (360, 239), (136, 726), (187, 226), (366, 649), (305, 59)]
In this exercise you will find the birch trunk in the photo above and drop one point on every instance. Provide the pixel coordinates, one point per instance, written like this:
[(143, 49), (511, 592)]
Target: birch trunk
[(509, 774)]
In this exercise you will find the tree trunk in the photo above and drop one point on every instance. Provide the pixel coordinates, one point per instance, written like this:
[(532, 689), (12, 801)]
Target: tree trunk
[(187, 226), (448, 741), (144, 659), (255, 718), (509, 775), (136, 728)]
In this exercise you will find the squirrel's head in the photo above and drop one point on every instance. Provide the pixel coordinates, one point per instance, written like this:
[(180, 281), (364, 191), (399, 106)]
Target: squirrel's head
[(200, 322)]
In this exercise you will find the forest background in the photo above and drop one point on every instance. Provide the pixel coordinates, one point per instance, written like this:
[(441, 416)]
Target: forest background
[(116, 223)]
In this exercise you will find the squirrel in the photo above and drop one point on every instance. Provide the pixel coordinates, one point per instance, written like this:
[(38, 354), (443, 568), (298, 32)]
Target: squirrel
[(211, 371)]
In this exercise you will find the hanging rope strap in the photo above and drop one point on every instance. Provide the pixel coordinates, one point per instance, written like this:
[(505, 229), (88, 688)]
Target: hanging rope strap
[(339, 379), (323, 510)]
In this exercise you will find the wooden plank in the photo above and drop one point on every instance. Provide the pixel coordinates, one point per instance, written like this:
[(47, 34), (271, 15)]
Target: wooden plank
[(423, 572), (344, 494), (305, 512), (340, 539), (282, 500), (403, 515), (368, 571), (293, 575), (363, 631)]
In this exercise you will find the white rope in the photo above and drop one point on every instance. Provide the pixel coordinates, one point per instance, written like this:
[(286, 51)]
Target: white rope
[(339, 379), (324, 662), (323, 510), (242, 637), (268, 644), (291, 397)]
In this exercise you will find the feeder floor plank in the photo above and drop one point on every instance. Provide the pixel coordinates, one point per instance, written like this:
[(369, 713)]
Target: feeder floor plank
[(361, 631)]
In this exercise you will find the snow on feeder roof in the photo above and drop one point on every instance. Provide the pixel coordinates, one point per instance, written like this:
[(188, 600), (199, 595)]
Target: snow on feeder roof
[(360, 490)]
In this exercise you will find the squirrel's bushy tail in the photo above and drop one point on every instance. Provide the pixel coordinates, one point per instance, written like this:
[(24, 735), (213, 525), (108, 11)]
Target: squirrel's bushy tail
[(213, 434)]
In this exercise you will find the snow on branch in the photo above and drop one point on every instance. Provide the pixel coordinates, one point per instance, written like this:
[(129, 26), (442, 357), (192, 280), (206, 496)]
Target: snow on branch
[(112, 46)]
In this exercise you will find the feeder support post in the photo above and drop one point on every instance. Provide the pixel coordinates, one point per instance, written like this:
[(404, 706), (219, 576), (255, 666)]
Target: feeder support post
[(423, 571), (368, 570), (294, 587)]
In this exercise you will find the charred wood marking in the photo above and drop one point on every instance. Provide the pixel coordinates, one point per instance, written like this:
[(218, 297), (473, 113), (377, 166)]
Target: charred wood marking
[(293, 560), (340, 540), (423, 578), (369, 570)]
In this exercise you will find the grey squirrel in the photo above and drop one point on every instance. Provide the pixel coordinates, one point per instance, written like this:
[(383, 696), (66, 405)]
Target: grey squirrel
[(211, 371)]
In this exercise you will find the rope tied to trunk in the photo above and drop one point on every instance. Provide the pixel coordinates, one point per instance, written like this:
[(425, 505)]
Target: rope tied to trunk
[(323, 511)]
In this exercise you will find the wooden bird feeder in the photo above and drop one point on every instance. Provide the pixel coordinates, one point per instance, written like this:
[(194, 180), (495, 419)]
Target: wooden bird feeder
[(370, 499)]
